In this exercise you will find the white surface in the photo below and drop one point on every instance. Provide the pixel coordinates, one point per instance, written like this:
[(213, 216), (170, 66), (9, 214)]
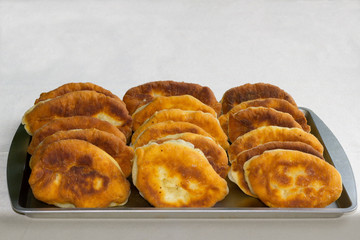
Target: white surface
[(309, 48)]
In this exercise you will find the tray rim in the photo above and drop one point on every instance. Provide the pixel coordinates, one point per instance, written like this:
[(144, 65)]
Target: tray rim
[(213, 213)]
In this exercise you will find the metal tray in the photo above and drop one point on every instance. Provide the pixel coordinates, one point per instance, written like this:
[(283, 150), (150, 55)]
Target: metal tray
[(235, 205)]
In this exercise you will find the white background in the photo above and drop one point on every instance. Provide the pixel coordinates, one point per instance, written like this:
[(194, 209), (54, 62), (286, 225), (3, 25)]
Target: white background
[(311, 49)]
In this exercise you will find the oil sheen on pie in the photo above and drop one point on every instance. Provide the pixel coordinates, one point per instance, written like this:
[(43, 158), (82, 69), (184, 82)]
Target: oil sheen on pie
[(251, 118), (140, 95), (78, 103), (75, 173), (214, 153), (236, 173), (204, 120), (175, 174), (269, 134), (246, 92), (184, 102), (108, 142), (162, 129), (72, 87), (68, 123), (274, 103), (292, 179)]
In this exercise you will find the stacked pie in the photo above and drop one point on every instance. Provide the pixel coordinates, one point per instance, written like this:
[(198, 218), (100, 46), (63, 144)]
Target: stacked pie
[(272, 154), (177, 145), (180, 148), (79, 156)]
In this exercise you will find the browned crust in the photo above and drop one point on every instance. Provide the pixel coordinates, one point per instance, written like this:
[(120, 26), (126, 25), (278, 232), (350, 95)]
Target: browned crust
[(249, 91), (108, 142), (183, 102), (72, 87), (204, 120), (215, 154), (162, 129), (275, 103), (237, 166), (140, 95), (79, 103), (293, 179), (251, 118), (76, 122), (269, 134), (77, 172), (186, 169)]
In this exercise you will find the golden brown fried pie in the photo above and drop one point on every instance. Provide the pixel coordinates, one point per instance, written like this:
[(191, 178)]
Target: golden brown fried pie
[(236, 173), (145, 93), (275, 103), (108, 142), (162, 129), (204, 120), (214, 153), (251, 118), (72, 87), (76, 122), (174, 174), (246, 92), (184, 102), (79, 103), (270, 134), (292, 179), (75, 173)]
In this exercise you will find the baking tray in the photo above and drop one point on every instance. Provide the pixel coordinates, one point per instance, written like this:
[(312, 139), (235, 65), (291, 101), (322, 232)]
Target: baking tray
[(235, 205)]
